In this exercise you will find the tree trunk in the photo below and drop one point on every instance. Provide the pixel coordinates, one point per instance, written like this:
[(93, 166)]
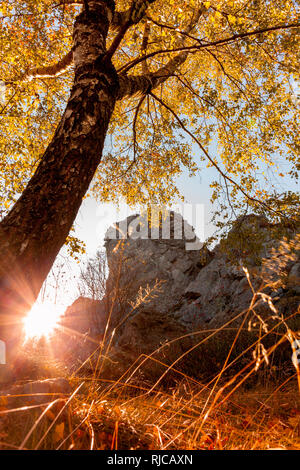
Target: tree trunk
[(36, 228)]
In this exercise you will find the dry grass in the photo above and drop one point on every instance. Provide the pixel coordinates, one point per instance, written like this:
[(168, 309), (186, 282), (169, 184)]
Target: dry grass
[(245, 407), (124, 416)]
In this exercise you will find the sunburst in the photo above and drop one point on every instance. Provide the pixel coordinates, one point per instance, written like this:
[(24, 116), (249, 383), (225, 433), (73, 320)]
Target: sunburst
[(42, 320)]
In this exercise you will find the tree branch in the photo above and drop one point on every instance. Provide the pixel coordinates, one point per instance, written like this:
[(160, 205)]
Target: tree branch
[(221, 172), (48, 71), (132, 15), (120, 18), (129, 85), (145, 45), (205, 45), (134, 125)]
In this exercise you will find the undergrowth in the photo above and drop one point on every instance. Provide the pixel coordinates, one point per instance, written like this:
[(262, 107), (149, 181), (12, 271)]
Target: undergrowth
[(250, 403)]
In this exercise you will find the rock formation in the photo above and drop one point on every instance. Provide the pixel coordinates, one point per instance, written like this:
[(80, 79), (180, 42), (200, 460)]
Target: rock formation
[(158, 290), (82, 327)]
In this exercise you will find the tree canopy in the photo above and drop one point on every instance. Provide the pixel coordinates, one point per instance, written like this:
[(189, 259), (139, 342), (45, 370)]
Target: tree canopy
[(220, 75)]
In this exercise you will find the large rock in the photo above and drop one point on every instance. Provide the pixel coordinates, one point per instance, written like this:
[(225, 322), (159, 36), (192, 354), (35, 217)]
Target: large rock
[(162, 266), (80, 332), (168, 287)]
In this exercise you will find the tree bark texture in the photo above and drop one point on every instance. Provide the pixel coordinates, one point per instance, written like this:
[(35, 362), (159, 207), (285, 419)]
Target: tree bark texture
[(34, 231)]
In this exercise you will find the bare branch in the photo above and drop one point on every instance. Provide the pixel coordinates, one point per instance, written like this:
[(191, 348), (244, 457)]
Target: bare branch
[(70, 2), (173, 28), (134, 125)]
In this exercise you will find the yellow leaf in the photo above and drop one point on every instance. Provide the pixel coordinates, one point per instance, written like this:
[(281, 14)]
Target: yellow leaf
[(231, 19)]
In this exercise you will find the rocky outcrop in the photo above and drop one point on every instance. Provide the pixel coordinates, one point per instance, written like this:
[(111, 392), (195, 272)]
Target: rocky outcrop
[(91, 323), (163, 267), (158, 291), (81, 330)]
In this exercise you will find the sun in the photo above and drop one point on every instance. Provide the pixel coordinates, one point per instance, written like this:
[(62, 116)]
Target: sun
[(42, 320)]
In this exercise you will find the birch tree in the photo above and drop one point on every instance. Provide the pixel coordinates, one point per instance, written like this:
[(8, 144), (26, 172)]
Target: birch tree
[(155, 77)]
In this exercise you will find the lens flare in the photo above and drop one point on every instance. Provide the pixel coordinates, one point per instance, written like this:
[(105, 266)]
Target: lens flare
[(42, 320)]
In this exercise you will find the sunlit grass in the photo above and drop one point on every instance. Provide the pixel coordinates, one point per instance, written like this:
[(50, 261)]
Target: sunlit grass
[(128, 417), (244, 407)]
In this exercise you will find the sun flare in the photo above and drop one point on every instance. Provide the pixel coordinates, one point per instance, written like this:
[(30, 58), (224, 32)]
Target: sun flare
[(42, 320)]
